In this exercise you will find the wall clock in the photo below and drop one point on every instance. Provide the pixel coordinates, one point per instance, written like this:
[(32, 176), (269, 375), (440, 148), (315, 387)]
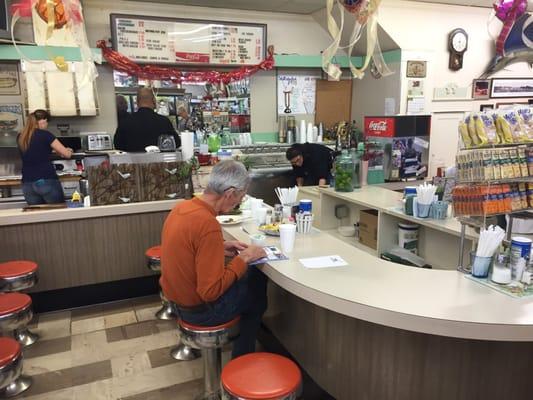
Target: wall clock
[(457, 45)]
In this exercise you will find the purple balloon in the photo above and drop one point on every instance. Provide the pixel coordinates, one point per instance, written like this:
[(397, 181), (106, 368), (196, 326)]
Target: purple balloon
[(504, 7)]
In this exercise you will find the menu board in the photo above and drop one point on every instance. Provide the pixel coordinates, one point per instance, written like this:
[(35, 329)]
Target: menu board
[(184, 41)]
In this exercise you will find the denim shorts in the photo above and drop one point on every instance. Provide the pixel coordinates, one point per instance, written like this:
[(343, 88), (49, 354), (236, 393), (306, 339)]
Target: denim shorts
[(43, 191)]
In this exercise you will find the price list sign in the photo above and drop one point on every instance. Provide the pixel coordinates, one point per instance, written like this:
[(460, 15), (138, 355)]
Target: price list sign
[(175, 41)]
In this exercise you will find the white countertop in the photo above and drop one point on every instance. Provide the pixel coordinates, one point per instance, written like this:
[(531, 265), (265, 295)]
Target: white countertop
[(16, 216), (439, 302)]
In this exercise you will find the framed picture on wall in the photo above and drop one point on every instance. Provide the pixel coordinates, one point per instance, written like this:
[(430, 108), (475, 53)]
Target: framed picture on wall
[(486, 107), (510, 104), (9, 79), (511, 87), (416, 69), (481, 89), (11, 123)]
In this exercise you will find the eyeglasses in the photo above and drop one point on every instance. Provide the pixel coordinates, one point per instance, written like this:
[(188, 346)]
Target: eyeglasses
[(295, 160)]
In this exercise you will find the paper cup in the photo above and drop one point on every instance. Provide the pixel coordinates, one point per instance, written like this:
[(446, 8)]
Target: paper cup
[(287, 234), (260, 216)]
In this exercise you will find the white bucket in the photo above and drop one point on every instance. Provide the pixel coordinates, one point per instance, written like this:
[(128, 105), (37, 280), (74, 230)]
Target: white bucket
[(408, 237)]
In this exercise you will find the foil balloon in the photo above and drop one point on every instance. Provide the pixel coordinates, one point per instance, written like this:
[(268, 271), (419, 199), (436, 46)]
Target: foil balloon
[(64, 15), (504, 8), (515, 40)]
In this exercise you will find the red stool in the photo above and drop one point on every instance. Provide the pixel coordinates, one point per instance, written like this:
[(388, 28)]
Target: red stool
[(261, 376), (12, 383), (210, 340), (17, 275), (153, 255), (15, 314)]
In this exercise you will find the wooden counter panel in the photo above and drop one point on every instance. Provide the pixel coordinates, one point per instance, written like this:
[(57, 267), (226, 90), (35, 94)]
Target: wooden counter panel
[(85, 251), (354, 359)]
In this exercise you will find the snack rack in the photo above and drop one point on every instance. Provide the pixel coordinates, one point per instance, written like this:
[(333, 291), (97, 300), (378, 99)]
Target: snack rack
[(494, 190)]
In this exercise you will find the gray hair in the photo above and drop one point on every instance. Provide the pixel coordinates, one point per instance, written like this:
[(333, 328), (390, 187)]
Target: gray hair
[(228, 174)]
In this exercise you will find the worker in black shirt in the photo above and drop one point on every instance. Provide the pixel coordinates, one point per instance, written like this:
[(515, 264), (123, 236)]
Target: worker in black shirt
[(143, 127), (311, 163)]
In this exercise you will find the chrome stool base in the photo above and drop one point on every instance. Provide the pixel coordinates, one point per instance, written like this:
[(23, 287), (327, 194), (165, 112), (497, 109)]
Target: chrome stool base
[(183, 352), (212, 368), (166, 312), (25, 337), (16, 387), (212, 396)]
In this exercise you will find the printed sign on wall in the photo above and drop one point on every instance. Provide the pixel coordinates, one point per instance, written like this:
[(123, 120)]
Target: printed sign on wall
[(296, 94), (181, 41)]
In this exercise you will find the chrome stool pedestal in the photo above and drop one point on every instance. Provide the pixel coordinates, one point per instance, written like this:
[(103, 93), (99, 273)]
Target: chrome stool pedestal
[(12, 382), (210, 340)]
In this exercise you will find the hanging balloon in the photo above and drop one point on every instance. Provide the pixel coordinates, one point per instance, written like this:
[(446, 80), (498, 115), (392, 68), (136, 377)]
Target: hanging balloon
[(504, 8), (46, 8)]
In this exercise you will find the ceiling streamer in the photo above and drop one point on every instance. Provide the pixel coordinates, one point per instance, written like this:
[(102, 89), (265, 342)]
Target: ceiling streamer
[(364, 13)]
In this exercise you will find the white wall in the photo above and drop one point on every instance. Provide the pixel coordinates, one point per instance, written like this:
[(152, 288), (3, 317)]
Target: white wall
[(289, 33), (421, 30), (369, 94)]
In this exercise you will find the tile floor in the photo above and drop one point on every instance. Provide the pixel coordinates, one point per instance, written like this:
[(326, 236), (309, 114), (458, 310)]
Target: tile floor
[(115, 351)]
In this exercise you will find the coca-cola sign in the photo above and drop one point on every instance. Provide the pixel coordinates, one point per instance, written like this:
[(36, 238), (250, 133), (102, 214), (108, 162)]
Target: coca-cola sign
[(379, 126)]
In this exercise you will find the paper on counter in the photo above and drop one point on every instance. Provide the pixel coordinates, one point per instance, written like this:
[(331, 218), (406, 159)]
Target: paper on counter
[(323, 262)]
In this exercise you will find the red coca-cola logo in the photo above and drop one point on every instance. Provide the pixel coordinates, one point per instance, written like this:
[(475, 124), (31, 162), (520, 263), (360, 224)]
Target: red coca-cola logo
[(378, 125), (382, 127)]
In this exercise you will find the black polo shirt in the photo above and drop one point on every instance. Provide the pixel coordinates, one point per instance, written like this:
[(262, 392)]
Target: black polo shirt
[(142, 129), (317, 164)]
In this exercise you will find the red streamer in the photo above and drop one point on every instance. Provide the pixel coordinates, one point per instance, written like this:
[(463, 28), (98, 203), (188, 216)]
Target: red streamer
[(122, 63)]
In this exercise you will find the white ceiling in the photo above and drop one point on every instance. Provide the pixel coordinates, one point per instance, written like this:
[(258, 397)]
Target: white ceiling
[(293, 6)]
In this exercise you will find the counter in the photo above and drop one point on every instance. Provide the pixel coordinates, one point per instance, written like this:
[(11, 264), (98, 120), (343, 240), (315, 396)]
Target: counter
[(438, 239), (378, 330), (85, 255)]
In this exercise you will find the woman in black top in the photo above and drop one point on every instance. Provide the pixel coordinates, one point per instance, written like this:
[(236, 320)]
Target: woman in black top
[(40, 183)]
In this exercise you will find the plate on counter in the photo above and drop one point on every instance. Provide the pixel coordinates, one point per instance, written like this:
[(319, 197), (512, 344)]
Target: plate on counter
[(229, 219), (270, 230)]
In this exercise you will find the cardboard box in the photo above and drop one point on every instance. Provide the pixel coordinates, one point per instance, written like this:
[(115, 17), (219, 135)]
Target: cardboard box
[(368, 228)]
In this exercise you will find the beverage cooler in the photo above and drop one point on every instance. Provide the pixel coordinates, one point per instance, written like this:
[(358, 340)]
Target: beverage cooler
[(405, 141)]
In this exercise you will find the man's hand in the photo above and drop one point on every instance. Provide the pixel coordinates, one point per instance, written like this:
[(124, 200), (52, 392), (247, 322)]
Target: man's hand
[(252, 253), (232, 247)]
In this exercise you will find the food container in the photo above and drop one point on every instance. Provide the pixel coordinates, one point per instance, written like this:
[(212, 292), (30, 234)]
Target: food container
[(344, 172), (304, 223), (347, 230), (520, 248), (408, 237), (306, 205), (258, 239)]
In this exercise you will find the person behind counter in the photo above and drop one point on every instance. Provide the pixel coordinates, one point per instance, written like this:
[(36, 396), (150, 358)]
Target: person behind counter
[(40, 184), (311, 163), (143, 128), (185, 122), (193, 274), (122, 108)]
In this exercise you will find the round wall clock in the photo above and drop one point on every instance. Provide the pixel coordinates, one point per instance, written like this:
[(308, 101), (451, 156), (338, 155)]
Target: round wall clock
[(457, 45)]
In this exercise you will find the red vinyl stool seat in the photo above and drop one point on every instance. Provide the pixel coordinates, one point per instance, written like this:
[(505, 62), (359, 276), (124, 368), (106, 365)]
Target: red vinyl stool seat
[(153, 255), (210, 340), (11, 381), (17, 275), (261, 376), (13, 302), (202, 328), (15, 315)]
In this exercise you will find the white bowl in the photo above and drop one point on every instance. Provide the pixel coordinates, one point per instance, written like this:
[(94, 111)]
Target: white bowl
[(347, 230), (258, 239)]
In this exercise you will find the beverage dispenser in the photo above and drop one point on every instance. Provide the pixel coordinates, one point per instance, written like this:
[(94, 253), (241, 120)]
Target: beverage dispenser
[(405, 141)]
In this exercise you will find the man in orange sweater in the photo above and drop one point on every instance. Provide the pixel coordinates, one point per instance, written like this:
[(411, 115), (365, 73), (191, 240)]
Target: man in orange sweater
[(193, 274)]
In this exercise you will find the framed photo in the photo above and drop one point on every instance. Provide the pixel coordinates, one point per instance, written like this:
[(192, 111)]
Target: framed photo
[(11, 123), (9, 79), (510, 104), (511, 87), (416, 69), (486, 107), (481, 89)]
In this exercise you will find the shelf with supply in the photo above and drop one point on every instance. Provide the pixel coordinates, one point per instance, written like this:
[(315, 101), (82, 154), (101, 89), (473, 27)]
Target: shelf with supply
[(493, 181)]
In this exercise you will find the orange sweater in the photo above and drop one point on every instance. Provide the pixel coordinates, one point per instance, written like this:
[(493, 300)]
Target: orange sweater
[(192, 256)]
